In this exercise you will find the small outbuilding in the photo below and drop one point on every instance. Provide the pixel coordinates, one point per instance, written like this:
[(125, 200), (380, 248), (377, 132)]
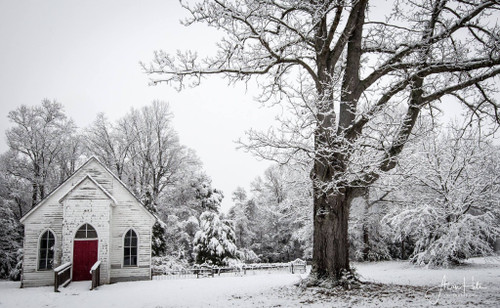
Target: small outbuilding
[(90, 217)]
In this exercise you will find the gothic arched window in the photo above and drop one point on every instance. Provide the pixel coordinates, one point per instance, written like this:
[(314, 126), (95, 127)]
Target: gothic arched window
[(130, 248), (46, 251)]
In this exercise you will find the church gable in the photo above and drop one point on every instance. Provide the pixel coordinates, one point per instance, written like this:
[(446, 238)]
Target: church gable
[(96, 179), (94, 169), (86, 189)]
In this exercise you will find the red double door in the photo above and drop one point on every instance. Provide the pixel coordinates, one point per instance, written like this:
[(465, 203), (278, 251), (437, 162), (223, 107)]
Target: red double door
[(84, 257)]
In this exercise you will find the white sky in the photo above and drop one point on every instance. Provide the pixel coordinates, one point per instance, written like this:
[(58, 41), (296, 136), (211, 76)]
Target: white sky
[(85, 54)]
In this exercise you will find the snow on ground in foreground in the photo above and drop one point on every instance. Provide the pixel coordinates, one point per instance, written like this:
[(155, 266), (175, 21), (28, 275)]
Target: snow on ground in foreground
[(216, 292), (482, 270), (403, 286)]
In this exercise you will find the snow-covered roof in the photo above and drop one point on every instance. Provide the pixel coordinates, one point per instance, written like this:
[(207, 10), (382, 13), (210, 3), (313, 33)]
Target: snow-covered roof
[(58, 188)]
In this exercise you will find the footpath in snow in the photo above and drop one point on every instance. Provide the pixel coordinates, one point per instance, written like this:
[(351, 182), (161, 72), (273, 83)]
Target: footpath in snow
[(403, 286)]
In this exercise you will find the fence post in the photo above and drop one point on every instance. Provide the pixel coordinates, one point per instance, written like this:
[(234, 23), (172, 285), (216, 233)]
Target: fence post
[(56, 282)]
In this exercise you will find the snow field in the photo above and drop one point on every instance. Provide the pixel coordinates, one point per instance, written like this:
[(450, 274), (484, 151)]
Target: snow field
[(403, 286)]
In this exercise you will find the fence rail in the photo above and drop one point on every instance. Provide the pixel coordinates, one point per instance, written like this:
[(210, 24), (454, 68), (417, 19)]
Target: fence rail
[(96, 275), (62, 276), (213, 271)]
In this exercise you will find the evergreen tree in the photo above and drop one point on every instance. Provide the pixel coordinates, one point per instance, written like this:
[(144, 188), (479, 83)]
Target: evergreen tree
[(215, 242), (10, 244)]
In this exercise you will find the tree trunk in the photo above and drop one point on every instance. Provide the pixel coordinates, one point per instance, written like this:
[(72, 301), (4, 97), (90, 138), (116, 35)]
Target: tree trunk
[(41, 189), (330, 253), (403, 254), (19, 203), (35, 184), (332, 205), (330, 244), (366, 242), (34, 194)]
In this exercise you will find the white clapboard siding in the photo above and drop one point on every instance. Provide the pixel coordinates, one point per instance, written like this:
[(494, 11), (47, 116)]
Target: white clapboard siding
[(92, 195)]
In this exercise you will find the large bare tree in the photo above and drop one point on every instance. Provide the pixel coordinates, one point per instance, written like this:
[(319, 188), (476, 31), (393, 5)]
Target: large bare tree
[(143, 149), (111, 143), (38, 139), (353, 81)]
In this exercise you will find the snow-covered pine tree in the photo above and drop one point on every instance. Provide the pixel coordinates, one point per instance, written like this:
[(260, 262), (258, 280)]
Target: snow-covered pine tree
[(215, 242), (10, 244), (209, 197), (158, 240)]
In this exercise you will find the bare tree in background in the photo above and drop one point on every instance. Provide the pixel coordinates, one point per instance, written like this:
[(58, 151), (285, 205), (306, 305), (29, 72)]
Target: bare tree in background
[(144, 150), (40, 136), (111, 143), (156, 156), (352, 82)]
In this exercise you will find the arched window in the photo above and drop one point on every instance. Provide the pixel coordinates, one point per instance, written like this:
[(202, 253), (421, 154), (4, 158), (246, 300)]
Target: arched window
[(46, 251), (130, 249), (86, 231)]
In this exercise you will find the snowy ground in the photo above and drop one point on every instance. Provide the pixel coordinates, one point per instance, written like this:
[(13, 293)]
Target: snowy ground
[(403, 286)]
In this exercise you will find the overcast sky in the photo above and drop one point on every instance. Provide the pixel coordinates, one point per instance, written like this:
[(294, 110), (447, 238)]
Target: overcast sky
[(85, 54)]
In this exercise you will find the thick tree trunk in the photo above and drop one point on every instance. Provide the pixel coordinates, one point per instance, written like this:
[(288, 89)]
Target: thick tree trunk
[(330, 243), (332, 205), (330, 246)]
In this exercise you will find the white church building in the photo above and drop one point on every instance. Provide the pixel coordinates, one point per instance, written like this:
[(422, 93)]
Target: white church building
[(90, 217)]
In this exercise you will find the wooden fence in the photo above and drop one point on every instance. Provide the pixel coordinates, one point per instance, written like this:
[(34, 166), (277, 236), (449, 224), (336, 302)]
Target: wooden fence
[(205, 270)]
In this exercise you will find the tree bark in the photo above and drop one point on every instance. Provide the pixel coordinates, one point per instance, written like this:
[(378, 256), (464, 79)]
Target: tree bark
[(330, 243), (330, 256), (331, 207)]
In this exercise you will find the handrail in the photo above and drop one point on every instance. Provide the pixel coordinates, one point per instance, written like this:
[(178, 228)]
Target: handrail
[(95, 266), (61, 267), (62, 276), (96, 275)]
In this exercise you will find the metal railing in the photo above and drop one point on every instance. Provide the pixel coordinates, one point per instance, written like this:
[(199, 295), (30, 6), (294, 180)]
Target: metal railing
[(96, 275), (62, 276)]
